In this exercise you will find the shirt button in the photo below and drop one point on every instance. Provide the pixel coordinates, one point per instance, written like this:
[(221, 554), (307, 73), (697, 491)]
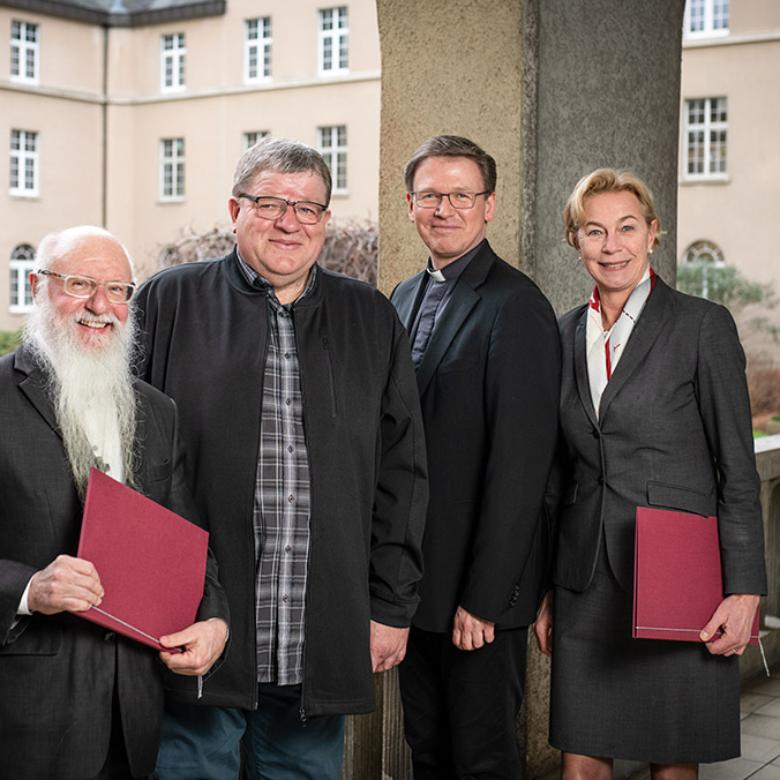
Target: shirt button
[(291, 498), (284, 598), (286, 355), (289, 448), (288, 548), (288, 401), (601, 480)]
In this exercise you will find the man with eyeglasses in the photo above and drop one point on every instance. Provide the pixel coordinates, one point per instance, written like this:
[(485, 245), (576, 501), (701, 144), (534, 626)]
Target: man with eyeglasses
[(486, 350), (77, 701), (299, 408)]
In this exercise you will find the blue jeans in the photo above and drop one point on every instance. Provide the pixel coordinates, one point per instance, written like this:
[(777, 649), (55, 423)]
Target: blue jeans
[(202, 743)]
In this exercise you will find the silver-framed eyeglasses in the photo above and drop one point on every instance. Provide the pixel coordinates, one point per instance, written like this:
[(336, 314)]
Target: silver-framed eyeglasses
[(85, 286), (308, 212), (458, 200)]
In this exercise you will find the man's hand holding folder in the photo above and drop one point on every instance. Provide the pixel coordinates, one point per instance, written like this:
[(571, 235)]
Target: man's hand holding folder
[(195, 648)]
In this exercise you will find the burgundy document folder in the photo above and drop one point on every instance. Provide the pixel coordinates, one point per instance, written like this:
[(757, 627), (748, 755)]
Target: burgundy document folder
[(151, 562), (677, 575)]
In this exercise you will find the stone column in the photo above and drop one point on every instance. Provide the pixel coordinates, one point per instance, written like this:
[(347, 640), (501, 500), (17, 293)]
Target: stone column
[(552, 89)]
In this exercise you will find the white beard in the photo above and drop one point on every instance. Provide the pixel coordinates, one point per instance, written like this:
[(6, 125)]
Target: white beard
[(92, 391)]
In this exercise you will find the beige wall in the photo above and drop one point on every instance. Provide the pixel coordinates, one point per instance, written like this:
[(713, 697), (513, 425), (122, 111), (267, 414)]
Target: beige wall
[(211, 114), (738, 214)]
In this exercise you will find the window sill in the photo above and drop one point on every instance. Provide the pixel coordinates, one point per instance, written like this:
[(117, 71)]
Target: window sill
[(20, 309), (16, 195), (691, 180), (171, 201)]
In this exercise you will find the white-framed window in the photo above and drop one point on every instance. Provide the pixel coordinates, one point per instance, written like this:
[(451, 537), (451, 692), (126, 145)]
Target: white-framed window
[(251, 137), (703, 270), (24, 51), (706, 135), (334, 41), (172, 169), (706, 18), (173, 60), (22, 262), (257, 49), (333, 146), (24, 163)]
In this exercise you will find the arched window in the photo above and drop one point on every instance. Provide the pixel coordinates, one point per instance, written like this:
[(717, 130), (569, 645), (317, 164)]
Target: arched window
[(22, 262), (702, 268)]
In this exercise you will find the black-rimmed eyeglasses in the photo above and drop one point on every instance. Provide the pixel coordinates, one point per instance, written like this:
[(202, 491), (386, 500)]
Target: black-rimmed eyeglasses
[(85, 286), (308, 212)]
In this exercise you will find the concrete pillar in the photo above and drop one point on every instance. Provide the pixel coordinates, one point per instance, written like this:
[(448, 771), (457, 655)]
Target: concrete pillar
[(552, 89)]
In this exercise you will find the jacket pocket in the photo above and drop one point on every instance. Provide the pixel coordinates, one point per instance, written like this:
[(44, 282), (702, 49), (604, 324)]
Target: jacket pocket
[(331, 377), (679, 497), (34, 640), (158, 471)]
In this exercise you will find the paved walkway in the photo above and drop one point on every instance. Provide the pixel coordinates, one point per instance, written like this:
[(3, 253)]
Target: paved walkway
[(760, 760)]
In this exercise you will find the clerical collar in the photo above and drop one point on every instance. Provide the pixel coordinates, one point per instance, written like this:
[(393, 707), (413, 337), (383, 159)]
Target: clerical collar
[(454, 269)]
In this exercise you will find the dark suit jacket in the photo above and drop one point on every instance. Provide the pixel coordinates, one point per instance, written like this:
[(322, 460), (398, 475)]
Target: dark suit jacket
[(58, 673), (488, 385), (673, 431)]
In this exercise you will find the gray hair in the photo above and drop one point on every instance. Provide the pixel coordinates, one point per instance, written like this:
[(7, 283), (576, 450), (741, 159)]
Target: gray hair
[(56, 245), (452, 146), (280, 154)]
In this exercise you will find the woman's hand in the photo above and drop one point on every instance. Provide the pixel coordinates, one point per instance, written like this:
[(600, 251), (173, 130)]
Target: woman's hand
[(544, 624), (734, 618)]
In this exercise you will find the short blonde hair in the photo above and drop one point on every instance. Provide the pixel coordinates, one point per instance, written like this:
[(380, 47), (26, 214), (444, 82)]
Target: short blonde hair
[(607, 180)]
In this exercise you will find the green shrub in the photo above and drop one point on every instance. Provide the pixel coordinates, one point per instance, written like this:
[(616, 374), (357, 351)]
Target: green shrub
[(9, 340)]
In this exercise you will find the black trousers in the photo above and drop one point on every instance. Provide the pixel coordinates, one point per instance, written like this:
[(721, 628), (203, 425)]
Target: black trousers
[(460, 706)]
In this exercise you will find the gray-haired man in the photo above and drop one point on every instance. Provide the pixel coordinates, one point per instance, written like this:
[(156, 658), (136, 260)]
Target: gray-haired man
[(299, 408)]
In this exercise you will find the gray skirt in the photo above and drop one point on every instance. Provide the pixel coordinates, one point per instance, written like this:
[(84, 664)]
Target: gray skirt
[(646, 700)]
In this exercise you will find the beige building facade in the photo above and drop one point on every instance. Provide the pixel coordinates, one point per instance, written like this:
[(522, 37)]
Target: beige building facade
[(134, 120), (729, 174)]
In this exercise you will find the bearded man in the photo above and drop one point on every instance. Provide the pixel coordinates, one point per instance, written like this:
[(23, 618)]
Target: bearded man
[(76, 701)]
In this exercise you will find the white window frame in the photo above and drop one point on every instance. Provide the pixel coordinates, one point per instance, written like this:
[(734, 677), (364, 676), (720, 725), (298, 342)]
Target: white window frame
[(172, 169), (27, 51), (706, 255), (333, 145), (713, 14), (257, 46), (333, 39), (251, 137), (22, 262), (706, 128), (173, 53), (26, 161)]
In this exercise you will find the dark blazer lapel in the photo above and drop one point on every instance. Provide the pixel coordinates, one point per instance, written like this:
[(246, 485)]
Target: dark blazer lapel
[(34, 386), (644, 334), (581, 368), (407, 303), (464, 299), (139, 439)]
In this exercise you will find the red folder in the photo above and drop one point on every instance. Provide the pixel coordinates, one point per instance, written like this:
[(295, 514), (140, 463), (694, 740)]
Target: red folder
[(151, 562), (678, 583)]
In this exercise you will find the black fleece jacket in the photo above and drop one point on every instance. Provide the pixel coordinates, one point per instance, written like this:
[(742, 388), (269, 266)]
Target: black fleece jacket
[(204, 333)]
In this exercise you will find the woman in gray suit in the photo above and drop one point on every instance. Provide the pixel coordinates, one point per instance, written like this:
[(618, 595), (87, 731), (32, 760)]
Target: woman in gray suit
[(654, 412)]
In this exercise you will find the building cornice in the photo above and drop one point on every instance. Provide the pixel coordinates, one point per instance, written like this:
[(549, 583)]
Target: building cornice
[(118, 15), (731, 40), (81, 96)]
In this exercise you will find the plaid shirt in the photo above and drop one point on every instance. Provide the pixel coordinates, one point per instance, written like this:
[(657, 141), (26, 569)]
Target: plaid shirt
[(282, 501)]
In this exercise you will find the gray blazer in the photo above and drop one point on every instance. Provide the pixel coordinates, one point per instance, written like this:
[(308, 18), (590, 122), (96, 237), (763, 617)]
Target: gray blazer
[(673, 431)]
